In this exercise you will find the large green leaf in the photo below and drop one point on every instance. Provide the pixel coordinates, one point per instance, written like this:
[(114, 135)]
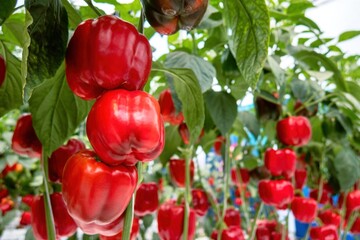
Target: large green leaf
[(49, 36), (189, 92), (222, 108), (247, 24), (345, 168), (56, 111), (250, 121), (204, 71), (73, 15), (11, 89), (172, 142), (310, 60), (7, 7), (13, 29)]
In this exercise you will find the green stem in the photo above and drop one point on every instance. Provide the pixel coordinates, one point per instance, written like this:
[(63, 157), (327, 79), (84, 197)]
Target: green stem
[(141, 22), (307, 232), (227, 162), (342, 212), (129, 214), (309, 104), (50, 226), (194, 50), (352, 219), (91, 5), (253, 225), (188, 154)]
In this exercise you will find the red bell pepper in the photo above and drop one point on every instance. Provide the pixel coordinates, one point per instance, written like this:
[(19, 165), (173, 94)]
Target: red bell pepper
[(300, 178), (24, 141), (243, 173), (304, 111), (230, 233), (2, 70), (133, 233), (25, 218), (59, 157), (352, 202), (329, 217), (126, 127), (278, 236), (294, 131), (108, 229), (327, 232), (232, 217), (280, 162), (28, 199), (4, 193), (64, 224), (200, 201), (325, 196), (266, 110), (168, 110), (185, 134), (167, 17), (304, 209), (177, 171), (264, 229), (147, 199), (276, 193), (6, 205), (355, 228), (170, 220), (96, 194), (17, 167), (120, 57), (219, 141)]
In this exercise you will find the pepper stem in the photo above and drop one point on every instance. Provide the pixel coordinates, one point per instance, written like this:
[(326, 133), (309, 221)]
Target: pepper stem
[(50, 226), (91, 5), (188, 154), (253, 225)]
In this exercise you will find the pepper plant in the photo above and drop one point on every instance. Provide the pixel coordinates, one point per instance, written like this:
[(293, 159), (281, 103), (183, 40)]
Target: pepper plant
[(127, 120)]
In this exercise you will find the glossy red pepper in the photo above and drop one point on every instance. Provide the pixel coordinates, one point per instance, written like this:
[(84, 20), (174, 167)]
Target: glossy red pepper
[(108, 229), (329, 217), (59, 157), (94, 193), (120, 57), (232, 217), (147, 199), (177, 171), (4, 193), (200, 201), (304, 209), (24, 141), (6, 205), (168, 110), (278, 236), (230, 233), (264, 229), (276, 193), (64, 224), (355, 228), (25, 218), (17, 167), (300, 178), (167, 17), (133, 233), (325, 196), (28, 199), (243, 173), (294, 131), (2, 70), (185, 134), (170, 220), (219, 141), (280, 162), (126, 127), (327, 232), (352, 201)]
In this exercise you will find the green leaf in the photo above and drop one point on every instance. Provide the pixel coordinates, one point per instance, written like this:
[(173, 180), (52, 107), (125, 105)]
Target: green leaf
[(305, 90), (56, 111), (247, 24), (345, 167), (204, 71), (278, 72), (11, 89), (7, 7), (212, 18), (310, 60), (298, 7), (46, 52), (222, 108), (29, 234), (13, 29), (189, 92), (348, 35), (73, 15), (250, 121), (172, 142)]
